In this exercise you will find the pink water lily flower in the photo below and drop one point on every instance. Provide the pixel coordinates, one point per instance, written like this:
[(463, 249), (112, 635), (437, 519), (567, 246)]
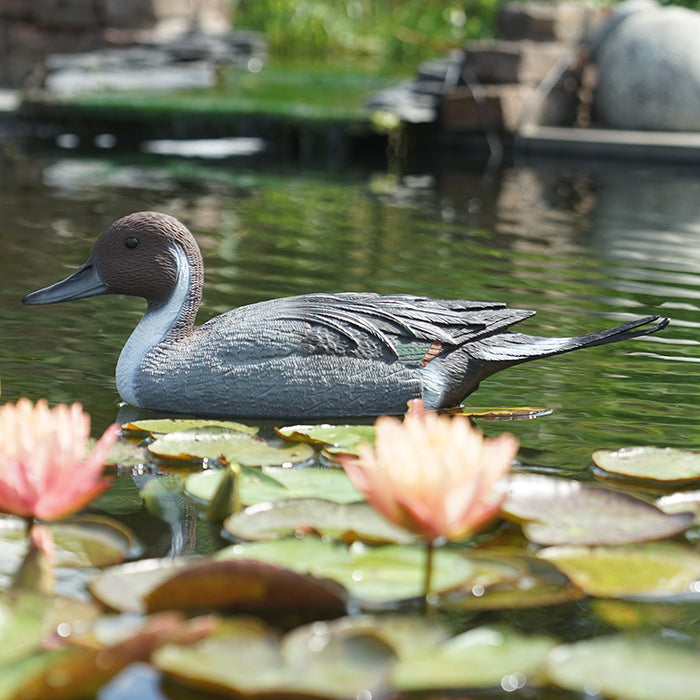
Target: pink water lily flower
[(45, 471), (435, 475)]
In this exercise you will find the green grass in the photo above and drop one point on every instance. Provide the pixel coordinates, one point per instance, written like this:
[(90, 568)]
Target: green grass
[(323, 93)]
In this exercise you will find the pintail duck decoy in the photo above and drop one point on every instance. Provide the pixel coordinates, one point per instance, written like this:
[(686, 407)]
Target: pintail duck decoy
[(308, 356)]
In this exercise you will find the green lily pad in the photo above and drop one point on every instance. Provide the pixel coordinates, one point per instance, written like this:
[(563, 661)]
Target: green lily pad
[(274, 483), (226, 500), (162, 426), (22, 628), (255, 485), (124, 587), (217, 443), (662, 465), (163, 496), (27, 620), (127, 455), (516, 580), (653, 570), (246, 659), (373, 575), (679, 614), (81, 542), (194, 584), (405, 634), (347, 522), (493, 414), (244, 585), (628, 668), (79, 671), (483, 657), (93, 541), (681, 502), (344, 438), (562, 511)]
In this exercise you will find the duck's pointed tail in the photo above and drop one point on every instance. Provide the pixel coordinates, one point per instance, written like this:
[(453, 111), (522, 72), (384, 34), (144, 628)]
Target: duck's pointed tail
[(518, 347)]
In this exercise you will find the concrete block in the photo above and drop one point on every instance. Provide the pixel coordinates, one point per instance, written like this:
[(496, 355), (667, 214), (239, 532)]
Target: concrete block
[(502, 108), (546, 21), (503, 61)]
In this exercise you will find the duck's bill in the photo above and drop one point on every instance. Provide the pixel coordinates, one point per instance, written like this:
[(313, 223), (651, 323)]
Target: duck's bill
[(84, 282)]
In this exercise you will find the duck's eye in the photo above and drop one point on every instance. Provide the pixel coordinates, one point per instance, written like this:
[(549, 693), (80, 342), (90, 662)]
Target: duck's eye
[(131, 242)]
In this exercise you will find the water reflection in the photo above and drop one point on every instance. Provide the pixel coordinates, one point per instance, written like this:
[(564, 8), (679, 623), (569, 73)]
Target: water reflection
[(586, 246)]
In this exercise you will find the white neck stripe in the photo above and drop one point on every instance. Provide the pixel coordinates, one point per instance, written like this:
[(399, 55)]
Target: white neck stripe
[(152, 329)]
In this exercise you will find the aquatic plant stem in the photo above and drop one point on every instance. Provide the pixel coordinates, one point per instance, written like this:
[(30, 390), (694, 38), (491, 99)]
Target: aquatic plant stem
[(36, 570), (429, 550)]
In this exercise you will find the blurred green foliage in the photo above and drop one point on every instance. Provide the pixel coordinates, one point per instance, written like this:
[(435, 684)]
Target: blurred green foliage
[(389, 33), (386, 33)]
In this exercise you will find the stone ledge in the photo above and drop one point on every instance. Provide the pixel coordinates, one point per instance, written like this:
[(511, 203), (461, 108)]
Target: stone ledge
[(502, 61), (569, 22), (503, 108)]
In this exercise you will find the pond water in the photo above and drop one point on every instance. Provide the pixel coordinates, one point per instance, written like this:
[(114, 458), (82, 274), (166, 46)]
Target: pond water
[(588, 245)]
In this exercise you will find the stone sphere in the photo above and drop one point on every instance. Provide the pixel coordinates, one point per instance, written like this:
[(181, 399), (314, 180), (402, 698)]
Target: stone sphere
[(649, 71)]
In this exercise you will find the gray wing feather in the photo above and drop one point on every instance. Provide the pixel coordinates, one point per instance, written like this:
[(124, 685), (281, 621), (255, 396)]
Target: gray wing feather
[(388, 318)]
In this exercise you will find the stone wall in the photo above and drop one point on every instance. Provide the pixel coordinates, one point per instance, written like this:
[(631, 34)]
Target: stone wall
[(501, 80), (30, 30)]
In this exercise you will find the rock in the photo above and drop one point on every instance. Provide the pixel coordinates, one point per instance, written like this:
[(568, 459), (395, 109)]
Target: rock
[(649, 71)]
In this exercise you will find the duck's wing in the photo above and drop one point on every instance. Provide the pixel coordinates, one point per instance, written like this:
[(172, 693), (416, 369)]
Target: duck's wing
[(400, 325)]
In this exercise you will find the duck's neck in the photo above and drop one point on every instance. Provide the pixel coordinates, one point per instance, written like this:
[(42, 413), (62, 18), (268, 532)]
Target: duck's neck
[(162, 324)]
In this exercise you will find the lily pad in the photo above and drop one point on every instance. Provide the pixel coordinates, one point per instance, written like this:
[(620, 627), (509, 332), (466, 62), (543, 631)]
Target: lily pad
[(92, 540), (162, 495), (22, 627), (343, 438), (661, 465), (681, 502), (493, 414), (628, 669), (654, 570), (516, 580), (81, 542), (483, 657), (193, 584), (246, 659), (346, 522), (681, 615), (27, 621), (124, 587), (243, 585), (373, 575), (79, 671), (255, 485), (564, 511), (273, 483), (405, 634), (127, 455), (162, 426), (217, 443)]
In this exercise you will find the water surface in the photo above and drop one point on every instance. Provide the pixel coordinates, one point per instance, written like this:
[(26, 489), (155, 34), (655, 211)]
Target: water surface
[(587, 245)]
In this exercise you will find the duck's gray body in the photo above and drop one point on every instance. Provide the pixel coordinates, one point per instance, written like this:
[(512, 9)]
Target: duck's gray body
[(309, 356)]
